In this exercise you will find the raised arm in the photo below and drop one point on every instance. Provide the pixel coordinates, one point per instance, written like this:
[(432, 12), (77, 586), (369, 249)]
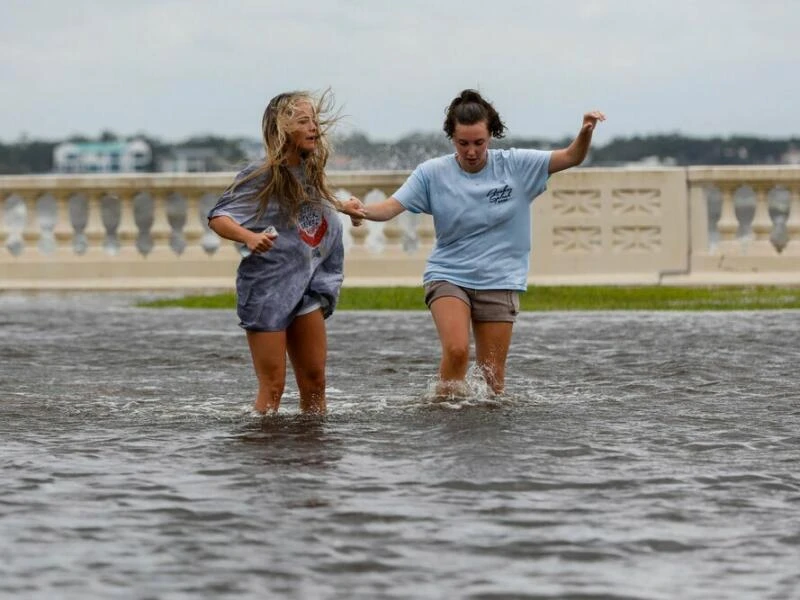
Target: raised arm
[(574, 154)]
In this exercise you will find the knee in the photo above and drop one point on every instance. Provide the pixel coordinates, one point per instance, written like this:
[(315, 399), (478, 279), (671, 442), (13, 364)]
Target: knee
[(311, 379), (273, 375), (457, 354)]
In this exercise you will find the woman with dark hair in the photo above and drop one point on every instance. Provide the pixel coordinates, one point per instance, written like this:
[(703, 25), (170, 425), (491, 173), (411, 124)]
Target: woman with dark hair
[(283, 213), (480, 201)]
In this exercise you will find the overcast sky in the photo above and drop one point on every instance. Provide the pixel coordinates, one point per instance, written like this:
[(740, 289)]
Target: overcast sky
[(175, 68)]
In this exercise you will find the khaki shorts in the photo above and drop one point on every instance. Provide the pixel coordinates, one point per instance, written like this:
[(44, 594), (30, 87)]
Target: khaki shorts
[(485, 305)]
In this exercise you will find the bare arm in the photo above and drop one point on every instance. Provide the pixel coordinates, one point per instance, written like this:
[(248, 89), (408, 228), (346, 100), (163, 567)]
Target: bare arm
[(383, 211), (229, 229), (576, 152)]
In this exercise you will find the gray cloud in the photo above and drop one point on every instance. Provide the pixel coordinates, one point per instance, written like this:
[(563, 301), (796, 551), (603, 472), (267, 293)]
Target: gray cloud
[(174, 68)]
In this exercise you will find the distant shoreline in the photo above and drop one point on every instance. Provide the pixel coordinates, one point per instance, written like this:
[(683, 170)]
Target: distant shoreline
[(357, 151)]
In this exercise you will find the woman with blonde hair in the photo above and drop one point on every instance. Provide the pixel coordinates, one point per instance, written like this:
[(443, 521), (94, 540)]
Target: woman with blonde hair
[(283, 213)]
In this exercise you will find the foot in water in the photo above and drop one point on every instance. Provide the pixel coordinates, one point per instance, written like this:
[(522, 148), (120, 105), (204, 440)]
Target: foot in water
[(448, 391), (473, 388)]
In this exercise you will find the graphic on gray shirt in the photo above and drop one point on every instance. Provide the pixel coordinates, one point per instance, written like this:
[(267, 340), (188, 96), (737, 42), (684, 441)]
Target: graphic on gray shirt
[(305, 263)]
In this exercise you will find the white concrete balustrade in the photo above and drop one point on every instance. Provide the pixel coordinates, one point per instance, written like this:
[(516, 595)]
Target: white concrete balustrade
[(745, 225), (699, 225)]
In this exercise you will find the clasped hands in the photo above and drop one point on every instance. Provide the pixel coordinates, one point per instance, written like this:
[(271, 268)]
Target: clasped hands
[(354, 209)]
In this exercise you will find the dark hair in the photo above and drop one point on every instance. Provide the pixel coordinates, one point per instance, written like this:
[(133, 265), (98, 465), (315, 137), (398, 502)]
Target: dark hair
[(469, 108)]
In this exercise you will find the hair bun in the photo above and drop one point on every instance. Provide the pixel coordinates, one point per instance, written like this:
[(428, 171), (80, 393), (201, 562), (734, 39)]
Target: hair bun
[(470, 96), (468, 108)]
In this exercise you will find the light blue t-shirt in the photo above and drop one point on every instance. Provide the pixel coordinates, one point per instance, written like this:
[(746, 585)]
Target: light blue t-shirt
[(482, 220)]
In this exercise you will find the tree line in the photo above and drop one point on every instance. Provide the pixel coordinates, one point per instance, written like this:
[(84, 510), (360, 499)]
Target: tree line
[(358, 151)]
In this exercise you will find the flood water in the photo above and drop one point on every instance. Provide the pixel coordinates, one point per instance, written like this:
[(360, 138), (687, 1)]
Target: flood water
[(636, 455)]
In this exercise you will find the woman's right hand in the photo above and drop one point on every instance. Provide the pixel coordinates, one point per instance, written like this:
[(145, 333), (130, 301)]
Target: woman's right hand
[(261, 242), (353, 208)]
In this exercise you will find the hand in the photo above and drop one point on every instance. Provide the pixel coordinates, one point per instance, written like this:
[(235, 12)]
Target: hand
[(354, 208), (261, 242), (590, 120)]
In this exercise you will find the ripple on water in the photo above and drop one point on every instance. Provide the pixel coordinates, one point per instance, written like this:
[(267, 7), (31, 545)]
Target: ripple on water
[(627, 447)]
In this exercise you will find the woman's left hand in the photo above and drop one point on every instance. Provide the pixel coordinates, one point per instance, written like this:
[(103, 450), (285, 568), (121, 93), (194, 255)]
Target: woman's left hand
[(590, 120), (354, 208)]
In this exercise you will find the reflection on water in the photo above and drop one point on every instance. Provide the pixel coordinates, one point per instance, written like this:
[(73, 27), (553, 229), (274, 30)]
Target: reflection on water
[(635, 455)]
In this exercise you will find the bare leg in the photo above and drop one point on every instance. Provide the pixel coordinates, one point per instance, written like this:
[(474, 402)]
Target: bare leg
[(308, 349), (492, 340), (452, 316), (268, 349)]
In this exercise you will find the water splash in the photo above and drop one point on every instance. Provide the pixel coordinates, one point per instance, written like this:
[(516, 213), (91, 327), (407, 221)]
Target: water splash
[(474, 391)]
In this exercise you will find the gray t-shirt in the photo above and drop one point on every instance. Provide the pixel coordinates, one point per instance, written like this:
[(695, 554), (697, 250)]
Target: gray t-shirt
[(304, 266)]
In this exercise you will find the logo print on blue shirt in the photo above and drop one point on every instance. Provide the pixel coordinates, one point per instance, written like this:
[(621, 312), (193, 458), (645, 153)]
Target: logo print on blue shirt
[(498, 195)]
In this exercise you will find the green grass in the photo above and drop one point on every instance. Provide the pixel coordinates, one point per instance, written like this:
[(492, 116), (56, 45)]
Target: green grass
[(546, 298)]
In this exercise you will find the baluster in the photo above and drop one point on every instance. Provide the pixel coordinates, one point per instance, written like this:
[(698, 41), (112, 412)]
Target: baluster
[(793, 222), (359, 235), (161, 229), (762, 223), (64, 231), (95, 231), (393, 234), (728, 224), (193, 231), (31, 231)]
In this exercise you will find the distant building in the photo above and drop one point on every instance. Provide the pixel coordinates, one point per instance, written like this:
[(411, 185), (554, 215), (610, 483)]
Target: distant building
[(791, 157), (208, 159), (200, 159), (102, 157), (253, 150), (652, 161)]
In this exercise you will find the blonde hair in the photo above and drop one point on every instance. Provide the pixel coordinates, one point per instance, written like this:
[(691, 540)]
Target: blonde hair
[(281, 184)]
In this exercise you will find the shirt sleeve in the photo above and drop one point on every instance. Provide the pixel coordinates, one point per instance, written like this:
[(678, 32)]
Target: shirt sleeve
[(414, 193), (531, 167), (239, 201)]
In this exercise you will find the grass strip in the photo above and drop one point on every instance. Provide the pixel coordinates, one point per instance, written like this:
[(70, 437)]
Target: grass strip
[(549, 298)]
